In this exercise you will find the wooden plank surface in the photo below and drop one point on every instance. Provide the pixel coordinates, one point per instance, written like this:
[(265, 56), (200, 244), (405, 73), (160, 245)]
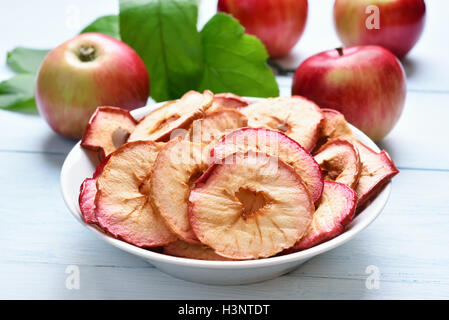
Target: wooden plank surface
[(407, 243)]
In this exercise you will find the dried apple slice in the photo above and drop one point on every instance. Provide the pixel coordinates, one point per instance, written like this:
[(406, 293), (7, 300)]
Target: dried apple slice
[(335, 210), (177, 167), (86, 200), (122, 204), (295, 116), (340, 162), (334, 125), (251, 206), (88, 191), (108, 129), (227, 101), (192, 251), (276, 144), (215, 125), (377, 171), (178, 114)]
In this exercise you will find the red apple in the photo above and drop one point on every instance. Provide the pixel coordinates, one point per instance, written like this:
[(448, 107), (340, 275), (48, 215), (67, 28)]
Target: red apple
[(366, 83), (85, 72), (393, 24), (278, 23)]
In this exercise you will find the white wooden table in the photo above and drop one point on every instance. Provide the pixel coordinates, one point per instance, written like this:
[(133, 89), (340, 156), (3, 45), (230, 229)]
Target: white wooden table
[(408, 244)]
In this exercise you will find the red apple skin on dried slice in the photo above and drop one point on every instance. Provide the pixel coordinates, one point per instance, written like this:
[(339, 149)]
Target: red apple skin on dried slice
[(377, 171), (335, 210), (179, 114), (86, 200), (340, 162), (108, 129), (215, 125), (88, 191), (297, 117), (123, 208), (250, 206), (177, 167), (192, 251), (227, 101), (274, 143)]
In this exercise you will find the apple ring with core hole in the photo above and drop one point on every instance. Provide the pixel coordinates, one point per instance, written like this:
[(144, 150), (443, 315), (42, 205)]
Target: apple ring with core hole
[(251, 206)]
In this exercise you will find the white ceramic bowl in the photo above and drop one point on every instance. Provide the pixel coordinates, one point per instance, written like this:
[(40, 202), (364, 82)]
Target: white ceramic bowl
[(80, 164)]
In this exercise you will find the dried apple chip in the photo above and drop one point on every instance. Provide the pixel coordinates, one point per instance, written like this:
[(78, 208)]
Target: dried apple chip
[(123, 208), (377, 171), (227, 101), (177, 167), (334, 125), (108, 129), (276, 144), (88, 191), (335, 210), (178, 114), (250, 206), (215, 125), (295, 116), (340, 162)]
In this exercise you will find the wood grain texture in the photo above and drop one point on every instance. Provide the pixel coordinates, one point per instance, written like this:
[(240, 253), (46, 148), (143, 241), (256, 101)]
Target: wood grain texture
[(407, 243)]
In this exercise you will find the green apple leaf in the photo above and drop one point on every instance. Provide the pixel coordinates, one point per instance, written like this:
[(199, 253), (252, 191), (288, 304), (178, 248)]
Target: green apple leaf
[(108, 25), (164, 34), (25, 60), (17, 93), (234, 61)]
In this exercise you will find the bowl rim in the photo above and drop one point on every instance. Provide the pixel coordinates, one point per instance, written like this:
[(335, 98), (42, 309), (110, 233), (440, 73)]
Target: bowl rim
[(360, 222)]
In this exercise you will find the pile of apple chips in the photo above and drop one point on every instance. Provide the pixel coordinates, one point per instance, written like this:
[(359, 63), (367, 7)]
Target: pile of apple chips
[(214, 177)]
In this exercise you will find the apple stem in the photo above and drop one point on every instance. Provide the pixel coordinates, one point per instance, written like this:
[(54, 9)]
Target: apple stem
[(340, 51), (87, 53)]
